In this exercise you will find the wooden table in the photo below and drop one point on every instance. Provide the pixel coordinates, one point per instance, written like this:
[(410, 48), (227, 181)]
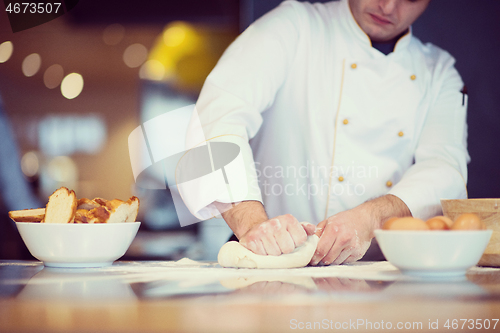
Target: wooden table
[(187, 297)]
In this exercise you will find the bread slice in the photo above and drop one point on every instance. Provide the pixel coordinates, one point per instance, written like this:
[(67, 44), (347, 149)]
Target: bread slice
[(27, 215), (61, 207), (95, 215), (100, 201), (87, 204), (100, 210), (123, 211)]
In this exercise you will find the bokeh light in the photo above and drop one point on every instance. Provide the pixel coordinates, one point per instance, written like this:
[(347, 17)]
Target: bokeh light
[(62, 169), (31, 64), (6, 49), (113, 34), (152, 70), (178, 40), (30, 164), (135, 55), (174, 36), (72, 85), (53, 76)]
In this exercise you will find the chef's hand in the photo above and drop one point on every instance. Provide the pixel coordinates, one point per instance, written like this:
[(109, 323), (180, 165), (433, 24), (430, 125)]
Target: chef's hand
[(278, 235), (346, 236), (262, 235)]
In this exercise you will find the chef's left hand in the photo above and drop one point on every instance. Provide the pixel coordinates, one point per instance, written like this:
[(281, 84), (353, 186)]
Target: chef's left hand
[(344, 237)]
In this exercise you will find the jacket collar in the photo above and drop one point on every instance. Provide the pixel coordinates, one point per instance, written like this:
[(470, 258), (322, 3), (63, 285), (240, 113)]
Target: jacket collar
[(355, 30)]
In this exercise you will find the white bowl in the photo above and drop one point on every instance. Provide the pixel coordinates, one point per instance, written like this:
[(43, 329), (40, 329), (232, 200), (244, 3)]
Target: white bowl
[(77, 245), (433, 253), (489, 212)]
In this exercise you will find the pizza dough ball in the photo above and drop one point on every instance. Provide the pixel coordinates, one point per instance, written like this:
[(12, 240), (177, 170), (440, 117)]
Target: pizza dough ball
[(468, 222), (233, 254)]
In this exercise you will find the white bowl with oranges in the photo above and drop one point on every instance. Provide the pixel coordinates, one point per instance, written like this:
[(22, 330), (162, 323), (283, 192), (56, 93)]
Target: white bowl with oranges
[(488, 210), (438, 247)]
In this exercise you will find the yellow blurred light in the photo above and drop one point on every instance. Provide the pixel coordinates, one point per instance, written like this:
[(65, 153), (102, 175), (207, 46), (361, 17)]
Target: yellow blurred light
[(188, 52), (177, 41), (6, 49), (174, 36), (135, 55), (113, 34), (31, 64), (152, 70), (30, 164), (72, 85), (53, 76)]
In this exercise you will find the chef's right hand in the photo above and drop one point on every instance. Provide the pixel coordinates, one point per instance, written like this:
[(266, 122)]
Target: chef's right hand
[(277, 236)]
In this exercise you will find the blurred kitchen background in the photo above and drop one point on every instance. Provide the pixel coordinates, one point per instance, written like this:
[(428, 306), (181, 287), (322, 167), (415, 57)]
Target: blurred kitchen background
[(74, 88)]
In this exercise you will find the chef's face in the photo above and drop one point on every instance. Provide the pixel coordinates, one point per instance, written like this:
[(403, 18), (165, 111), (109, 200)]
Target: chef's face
[(383, 20)]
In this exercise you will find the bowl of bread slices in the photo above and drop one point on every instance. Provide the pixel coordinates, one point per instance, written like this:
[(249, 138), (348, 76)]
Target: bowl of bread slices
[(71, 232)]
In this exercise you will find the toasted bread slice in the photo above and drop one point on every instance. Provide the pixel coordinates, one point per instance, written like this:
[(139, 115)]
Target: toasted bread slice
[(134, 204), (87, 204), (100, 201), (96, 215), (61, 207), (27, 215), (100, 210), (123, 211)]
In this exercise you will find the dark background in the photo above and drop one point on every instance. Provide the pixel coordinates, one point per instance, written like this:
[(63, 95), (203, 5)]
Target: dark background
[(469, 30)]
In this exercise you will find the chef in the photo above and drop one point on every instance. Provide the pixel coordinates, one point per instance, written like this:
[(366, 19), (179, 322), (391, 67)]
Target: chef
[(344, 119)]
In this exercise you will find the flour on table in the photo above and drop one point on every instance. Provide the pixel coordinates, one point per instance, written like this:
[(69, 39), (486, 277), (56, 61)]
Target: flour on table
[(189, 262), (233, 254)]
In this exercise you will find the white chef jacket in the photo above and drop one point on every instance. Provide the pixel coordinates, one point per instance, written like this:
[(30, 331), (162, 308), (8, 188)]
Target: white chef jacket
[(330, 121)]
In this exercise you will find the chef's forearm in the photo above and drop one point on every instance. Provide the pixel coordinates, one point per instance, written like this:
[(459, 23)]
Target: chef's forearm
[(243, 216), (385, 207)]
